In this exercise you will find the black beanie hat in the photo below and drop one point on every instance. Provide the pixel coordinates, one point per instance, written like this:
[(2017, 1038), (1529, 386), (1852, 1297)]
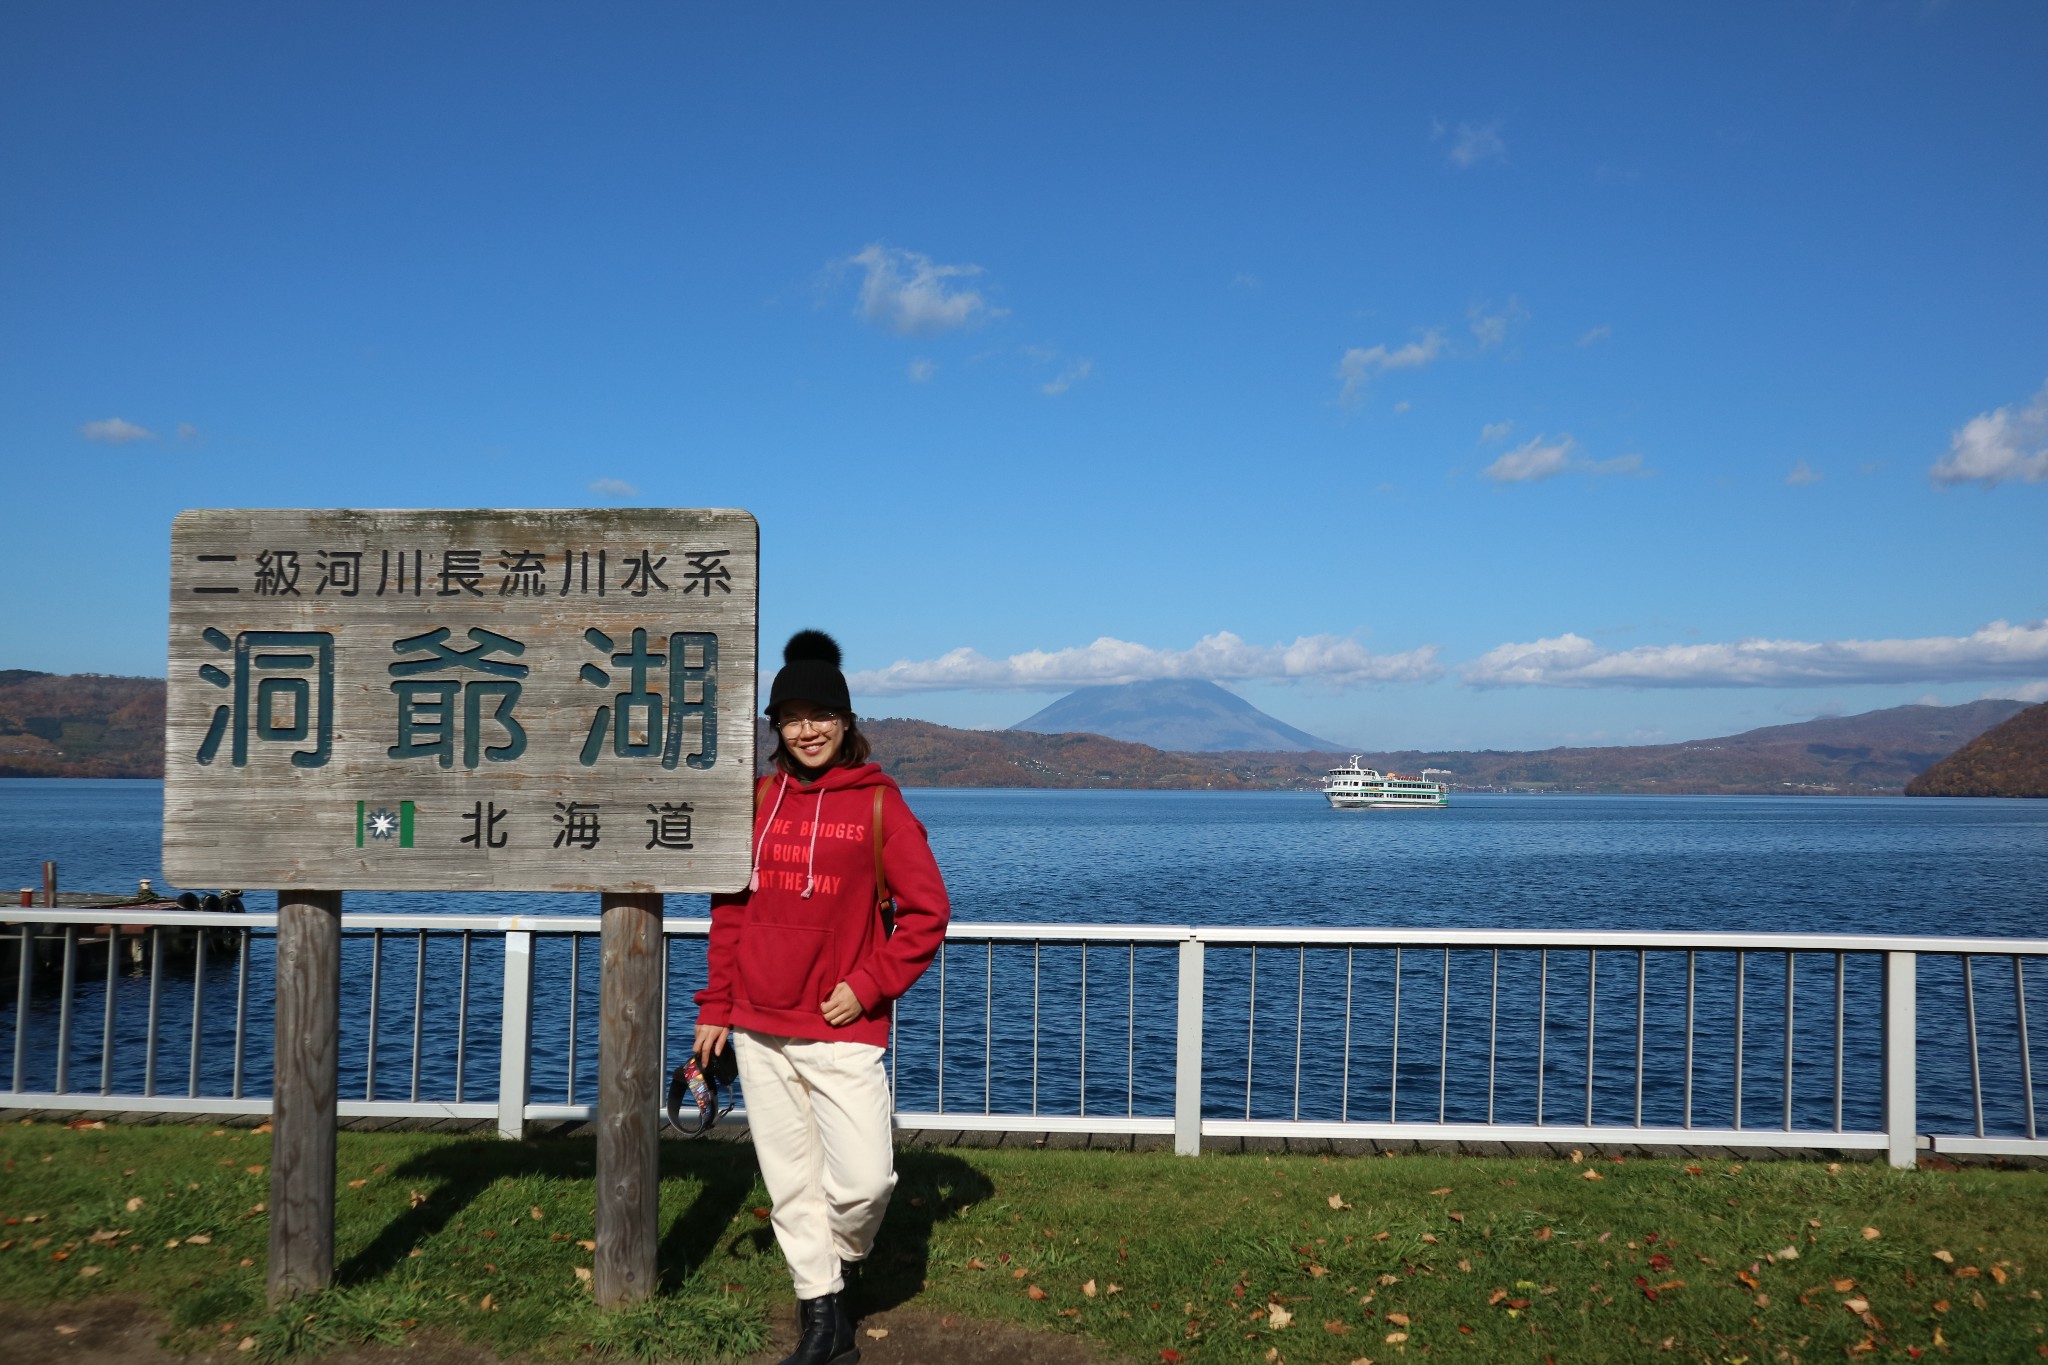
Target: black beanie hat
[(810, 672)]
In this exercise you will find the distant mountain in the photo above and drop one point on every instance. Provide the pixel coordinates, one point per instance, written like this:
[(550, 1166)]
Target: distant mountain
[(89, 725), (80, 725), (1179, 715), (1874, 754), (2009, 759)]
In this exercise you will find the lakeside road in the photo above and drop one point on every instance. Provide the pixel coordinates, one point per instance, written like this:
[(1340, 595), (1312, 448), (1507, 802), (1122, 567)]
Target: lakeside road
[(474, 1248)]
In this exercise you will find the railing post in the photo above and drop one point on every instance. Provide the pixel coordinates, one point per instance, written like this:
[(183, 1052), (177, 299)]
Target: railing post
[(302, 1107), (1901, 1126), (515, 1038), (628, 1097), (1187, 1053)]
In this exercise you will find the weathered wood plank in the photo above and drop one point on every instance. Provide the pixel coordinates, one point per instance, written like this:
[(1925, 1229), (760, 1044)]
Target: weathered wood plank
[(303, 1103), (462, 700), (628, 1091)]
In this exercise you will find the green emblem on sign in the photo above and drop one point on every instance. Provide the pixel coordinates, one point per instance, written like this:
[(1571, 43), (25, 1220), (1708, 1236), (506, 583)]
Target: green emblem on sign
[(382, 825)]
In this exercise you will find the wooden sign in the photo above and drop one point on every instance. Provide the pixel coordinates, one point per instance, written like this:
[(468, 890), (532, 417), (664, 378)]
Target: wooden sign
[(462, 700)]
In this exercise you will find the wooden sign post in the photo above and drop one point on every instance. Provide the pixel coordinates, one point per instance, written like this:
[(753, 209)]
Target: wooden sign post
[(454, 701)]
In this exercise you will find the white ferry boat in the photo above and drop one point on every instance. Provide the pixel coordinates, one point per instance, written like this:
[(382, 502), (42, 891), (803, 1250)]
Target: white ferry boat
[(1357, 788)]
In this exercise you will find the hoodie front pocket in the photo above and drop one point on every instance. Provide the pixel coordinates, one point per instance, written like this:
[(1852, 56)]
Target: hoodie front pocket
[(784, 965)]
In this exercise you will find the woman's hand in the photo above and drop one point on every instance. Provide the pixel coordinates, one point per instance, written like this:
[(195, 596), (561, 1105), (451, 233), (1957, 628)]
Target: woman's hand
[(709, 1043), (842, 1007)]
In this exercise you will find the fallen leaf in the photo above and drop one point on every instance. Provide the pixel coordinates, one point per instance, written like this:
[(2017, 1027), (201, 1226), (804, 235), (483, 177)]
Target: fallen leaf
[(1788, 1254), (262, 1127), (877, 1333), (1396, 1338), (1278, 1317), (1695, 1170), (1337, 1327), (1398, 1319), (65, 1329), (1577, 1156), (1088, 1289), (414, 1199), (1943, 1255), (1592, 1174), (1445, 1190), (1337, 1202), (1660, 1262), (1940, 1305), (976, 1263), (1841, 1286), (535, 1213), (1034, 1293), (1998, 1274), (1429, 1237), (586, 1244), (1070, 1312), (1455, 1217), (1465, 1266), (762, 1213), (1871, 1234), (199, 1239), (488, 1303), (357, 1184), (1543, 1234), (583, 1273), (254, 1170), (1858, 1306), (1019, 1273), (88, 1271), (1379, 1236), (1113, 1288), (247, 1344), (134, 1203), (1495, 1297)]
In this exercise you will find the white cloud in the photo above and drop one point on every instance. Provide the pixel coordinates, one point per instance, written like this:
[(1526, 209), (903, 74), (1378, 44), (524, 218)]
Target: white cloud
[(1998, 650), (115, 432), (1068, 377), (1221, 657), (1495, 431), (1593, 334), (1803, 475), (1477, 142), (1244, 279), (613, 488), (2033, 691), (187, 432), (1492, 328), (911, 293), (1531, 461), (1999, 445), (1360, 364), (1403, 406), (920, 370), (1534, 461)]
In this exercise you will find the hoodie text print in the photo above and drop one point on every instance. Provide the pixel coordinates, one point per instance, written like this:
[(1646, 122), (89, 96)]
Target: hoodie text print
[(809, 920)]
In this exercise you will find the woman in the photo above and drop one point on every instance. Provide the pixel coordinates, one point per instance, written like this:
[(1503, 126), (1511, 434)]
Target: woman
[(802, 971)]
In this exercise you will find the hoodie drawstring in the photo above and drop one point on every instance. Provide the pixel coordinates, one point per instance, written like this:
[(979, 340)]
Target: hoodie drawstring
[(754, 880)]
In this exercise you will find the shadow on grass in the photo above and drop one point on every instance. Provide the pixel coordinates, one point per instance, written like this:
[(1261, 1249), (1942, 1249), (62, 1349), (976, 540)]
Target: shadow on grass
[(932, 1188), (459, 1172)]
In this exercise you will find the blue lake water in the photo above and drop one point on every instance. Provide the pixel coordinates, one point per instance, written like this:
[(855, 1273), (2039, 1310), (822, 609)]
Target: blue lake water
[(1522, 862)]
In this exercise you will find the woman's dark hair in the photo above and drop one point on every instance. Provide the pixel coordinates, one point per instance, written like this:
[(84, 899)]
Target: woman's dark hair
[(853, 750)]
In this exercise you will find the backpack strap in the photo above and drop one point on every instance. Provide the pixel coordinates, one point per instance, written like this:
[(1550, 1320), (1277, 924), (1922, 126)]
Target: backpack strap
[(761, 791), (885, 904)]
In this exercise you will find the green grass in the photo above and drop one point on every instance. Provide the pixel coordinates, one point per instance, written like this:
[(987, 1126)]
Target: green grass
[(1496, 1259)]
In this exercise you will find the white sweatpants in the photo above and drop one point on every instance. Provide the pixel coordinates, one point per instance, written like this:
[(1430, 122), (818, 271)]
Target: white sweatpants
[(819, 1115)]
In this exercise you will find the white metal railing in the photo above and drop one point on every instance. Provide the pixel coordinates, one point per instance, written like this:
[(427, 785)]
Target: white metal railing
[(1132, 1029)]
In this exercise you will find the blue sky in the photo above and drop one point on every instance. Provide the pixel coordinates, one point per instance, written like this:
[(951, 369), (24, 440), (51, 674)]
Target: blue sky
[(1432, 375)]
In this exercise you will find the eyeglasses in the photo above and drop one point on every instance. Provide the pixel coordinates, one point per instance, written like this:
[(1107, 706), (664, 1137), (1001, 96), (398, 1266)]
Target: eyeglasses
[(823, 720)]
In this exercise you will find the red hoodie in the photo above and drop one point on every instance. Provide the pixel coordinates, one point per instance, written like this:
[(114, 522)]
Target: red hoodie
[(776, 954)]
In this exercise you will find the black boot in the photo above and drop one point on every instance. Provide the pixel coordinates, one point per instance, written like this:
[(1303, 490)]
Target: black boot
[(826, 1334)]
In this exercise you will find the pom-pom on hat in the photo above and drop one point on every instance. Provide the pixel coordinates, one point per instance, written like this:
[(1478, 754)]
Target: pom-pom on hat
[(810, 672)]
